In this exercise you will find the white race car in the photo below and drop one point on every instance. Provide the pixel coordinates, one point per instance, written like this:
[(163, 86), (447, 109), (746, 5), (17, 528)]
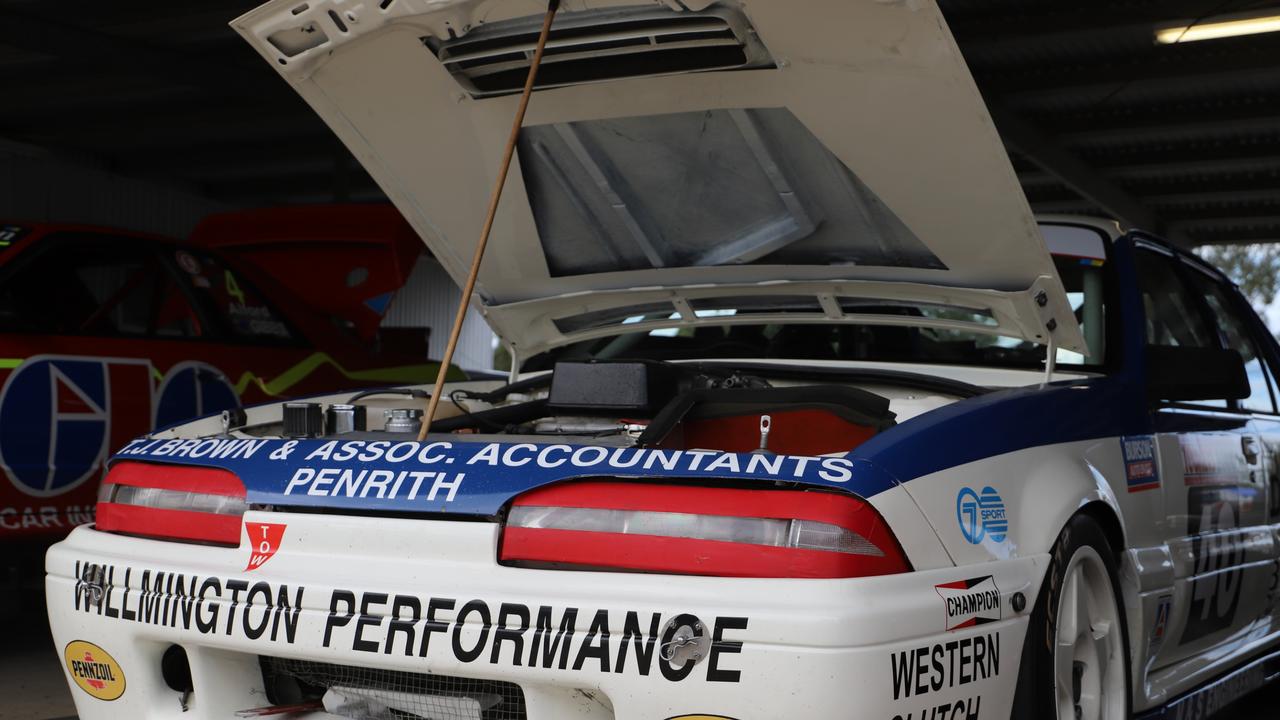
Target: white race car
[(810, 417)]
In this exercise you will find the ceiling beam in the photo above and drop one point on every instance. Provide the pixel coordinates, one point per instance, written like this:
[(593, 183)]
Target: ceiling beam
[(1186, 153), (95, 49), (1002, 23), (1030, 142), (1159, 69), (1173, 128)]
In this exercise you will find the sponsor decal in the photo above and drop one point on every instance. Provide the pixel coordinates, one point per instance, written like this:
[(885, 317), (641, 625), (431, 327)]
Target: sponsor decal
[(264, 541), (1140, 470), (970, 602), (1209, 701), (466, 630), (1161, 624), (94, 670), (9, 234), (981, 515), (188, 262), (929, 669), (1213, 459), (59, 416), (45, 517), (192, 390), (407, 475)]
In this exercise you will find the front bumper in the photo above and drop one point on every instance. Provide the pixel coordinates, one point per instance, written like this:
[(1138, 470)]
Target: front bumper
[(427, 597)]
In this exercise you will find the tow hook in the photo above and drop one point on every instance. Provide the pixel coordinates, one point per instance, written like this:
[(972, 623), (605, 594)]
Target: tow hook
[(92, 583)]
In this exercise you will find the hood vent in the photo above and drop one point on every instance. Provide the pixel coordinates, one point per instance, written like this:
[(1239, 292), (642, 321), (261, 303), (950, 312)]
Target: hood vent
[(598, 45)]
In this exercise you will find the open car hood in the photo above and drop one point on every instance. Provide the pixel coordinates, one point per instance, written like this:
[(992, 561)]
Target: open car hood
[(682, 158)]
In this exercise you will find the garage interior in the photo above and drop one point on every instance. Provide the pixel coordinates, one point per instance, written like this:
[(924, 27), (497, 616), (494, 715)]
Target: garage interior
[(148, 116), (179, 116)]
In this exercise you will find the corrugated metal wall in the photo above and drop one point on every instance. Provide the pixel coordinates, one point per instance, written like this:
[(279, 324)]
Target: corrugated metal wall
[(430, 299), (37, 187)]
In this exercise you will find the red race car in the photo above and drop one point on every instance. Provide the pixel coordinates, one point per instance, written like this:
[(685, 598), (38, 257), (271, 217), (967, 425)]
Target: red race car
[(105, 335)]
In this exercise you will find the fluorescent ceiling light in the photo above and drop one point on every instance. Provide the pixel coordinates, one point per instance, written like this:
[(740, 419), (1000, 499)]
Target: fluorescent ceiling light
[(1222, 26)]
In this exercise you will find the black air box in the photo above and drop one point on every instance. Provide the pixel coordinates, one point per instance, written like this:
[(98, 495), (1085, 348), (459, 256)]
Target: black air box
[(639, 388)]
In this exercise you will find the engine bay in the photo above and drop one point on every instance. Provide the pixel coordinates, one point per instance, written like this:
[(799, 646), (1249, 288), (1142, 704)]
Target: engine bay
[(641, 403)]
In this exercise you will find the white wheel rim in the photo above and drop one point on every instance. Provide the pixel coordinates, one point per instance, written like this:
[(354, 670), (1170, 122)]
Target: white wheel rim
[(1088, 662)]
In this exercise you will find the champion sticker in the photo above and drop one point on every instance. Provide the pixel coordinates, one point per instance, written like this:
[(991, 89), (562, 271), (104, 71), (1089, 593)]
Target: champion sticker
[(1140, 472), (970, 602), (94, 670), (981, 515), (264, 539)]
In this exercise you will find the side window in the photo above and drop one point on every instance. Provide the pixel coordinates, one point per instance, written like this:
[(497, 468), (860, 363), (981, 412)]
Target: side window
[(1235, 335), (1172, 310), (1173, 319), (244, 311), (105, 286)]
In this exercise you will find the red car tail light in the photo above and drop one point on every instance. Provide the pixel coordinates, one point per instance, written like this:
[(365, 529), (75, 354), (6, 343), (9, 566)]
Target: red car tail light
[(687, 530), (172, 502)]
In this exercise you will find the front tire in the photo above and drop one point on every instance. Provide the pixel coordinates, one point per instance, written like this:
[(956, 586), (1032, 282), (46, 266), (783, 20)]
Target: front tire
[(1075, 662)]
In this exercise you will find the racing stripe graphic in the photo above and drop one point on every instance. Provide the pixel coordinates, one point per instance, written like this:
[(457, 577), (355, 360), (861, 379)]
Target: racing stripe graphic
[(279, 385)]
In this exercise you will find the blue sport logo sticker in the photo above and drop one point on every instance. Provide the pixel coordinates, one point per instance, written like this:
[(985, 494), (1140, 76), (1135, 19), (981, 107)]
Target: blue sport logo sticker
[(981, 515), (1140, 470)]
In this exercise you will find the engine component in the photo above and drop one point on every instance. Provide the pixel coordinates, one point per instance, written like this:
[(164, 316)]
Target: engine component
[(303, 420), (342, 419), (612, 387), (403, 420)]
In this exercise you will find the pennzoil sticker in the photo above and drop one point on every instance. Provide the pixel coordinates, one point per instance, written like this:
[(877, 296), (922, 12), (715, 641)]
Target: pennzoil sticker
[(970, 602), (94, 670)]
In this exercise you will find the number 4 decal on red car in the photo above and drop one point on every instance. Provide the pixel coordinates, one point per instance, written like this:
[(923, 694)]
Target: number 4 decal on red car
[(264, 540)]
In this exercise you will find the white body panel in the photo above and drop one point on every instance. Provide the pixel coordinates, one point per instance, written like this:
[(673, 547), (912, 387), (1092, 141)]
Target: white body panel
[(882, 85), (827, 638)]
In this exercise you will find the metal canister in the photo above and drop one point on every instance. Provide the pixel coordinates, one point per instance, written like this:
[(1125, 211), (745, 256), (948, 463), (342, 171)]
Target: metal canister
[(340, 419), (404, 420)]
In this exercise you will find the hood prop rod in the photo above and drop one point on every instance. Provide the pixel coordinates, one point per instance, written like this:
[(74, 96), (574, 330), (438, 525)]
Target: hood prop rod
[(465, 301)]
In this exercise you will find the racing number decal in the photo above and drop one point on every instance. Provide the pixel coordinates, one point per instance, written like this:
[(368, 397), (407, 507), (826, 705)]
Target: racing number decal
[(233, 288), (1218, 554)]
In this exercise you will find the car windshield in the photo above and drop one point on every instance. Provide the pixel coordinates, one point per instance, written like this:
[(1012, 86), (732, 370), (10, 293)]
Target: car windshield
[(930, 333)]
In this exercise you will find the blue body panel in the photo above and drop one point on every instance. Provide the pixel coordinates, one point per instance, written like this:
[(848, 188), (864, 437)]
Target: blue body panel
[(1006, 421)]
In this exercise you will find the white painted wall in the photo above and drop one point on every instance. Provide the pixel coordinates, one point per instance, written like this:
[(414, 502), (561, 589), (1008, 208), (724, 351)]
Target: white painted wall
[(430, 299)]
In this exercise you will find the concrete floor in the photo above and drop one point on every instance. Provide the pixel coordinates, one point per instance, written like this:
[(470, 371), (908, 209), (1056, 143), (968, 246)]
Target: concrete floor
[(33, 685)]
